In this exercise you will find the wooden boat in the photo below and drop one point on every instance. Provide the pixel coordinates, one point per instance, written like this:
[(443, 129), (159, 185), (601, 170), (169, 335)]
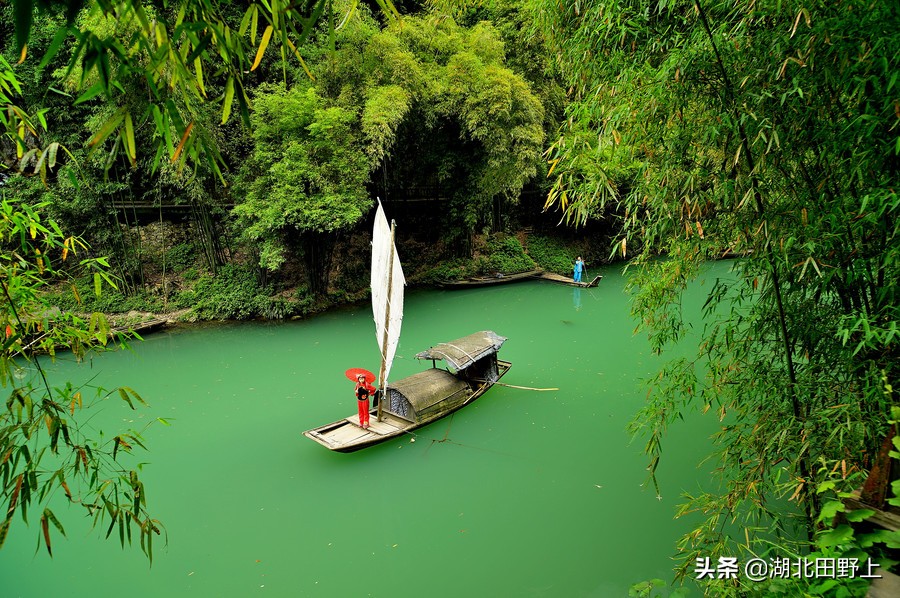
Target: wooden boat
[(425, 397), (568, 280), (483, 281)]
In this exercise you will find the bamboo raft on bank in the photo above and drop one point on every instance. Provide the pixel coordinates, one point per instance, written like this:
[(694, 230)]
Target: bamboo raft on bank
[(141, 327)]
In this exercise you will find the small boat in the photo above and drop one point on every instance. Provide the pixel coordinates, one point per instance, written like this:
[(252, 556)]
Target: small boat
[(483, 281), (422, 398), (568, 280), (425, 397)]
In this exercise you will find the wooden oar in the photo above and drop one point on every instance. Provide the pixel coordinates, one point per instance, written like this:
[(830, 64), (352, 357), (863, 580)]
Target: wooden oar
[(520, 387), (523, 387)]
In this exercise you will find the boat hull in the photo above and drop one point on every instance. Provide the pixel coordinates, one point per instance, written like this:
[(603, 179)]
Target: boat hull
[(486, 281), (346, 435)]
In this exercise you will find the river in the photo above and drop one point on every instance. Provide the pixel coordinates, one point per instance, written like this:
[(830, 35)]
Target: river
[(522, 493)]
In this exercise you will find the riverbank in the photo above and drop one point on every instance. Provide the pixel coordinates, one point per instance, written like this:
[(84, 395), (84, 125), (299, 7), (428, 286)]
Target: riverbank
[(175, 287)]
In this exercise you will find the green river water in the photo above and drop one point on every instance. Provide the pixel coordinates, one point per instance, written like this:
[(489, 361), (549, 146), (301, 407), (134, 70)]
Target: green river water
[(522, 493)]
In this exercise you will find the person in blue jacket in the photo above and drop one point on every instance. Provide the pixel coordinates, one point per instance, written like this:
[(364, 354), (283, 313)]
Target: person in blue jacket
[(578, 269)]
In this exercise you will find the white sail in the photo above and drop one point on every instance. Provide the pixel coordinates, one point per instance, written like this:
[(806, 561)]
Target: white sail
[(387, 292)]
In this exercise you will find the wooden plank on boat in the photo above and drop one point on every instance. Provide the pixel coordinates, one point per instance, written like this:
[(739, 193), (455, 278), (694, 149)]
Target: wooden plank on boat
[(383, 427), (346, 434), (322, 438)]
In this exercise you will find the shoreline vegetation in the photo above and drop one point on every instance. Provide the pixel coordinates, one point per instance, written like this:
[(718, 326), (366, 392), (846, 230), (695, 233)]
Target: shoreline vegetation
[(181, 290)]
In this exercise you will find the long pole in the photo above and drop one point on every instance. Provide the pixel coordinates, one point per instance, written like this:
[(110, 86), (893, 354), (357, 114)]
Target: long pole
[(387, 325)]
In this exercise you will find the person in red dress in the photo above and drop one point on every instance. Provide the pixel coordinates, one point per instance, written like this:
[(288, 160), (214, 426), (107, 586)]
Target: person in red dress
[(363, 390)]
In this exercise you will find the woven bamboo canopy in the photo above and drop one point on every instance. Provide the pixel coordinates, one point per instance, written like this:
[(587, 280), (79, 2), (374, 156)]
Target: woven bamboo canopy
[(463, 352), (428, 388)]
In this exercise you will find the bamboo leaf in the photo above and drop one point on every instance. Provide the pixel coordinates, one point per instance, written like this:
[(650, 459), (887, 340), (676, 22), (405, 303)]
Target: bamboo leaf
[(303, 62), (65, 487), (121, 521), (49, 514), (92, 92), (124, 394), (54, 46), (51, 154), (14, 497), (23, 13), (229, 98), (245, 21), (130, 146), (267, 35), (184, 138), (45, 528), (4, 530), (387, 6), (107, 128), (134, 394), (198, 68)]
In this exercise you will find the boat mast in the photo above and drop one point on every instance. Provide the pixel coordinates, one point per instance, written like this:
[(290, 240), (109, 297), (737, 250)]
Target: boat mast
[(387, 325)]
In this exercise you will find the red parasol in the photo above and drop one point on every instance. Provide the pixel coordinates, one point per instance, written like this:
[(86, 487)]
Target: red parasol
[(353, 373)]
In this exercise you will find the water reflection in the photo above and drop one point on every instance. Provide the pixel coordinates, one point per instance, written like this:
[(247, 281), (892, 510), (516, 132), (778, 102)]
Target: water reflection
[(576, 298)]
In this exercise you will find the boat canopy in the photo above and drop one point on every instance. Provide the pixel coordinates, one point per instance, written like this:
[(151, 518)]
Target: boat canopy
[(463, 352), (414, 397)]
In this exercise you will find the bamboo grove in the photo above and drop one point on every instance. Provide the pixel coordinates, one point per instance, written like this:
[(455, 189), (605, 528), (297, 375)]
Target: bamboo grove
[(767, 130)]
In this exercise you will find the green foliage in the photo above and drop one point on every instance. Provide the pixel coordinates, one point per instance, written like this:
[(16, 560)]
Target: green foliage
[(456, 269), (47, 444), (78, 297), (502, 254), (305, 179), (182, 55), (498, 253), (439, 109), (551, 254), (234, 293), (759, 129), (384, 111), (181, 256)]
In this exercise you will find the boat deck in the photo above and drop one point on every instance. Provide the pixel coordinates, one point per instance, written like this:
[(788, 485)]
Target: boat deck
[(568, 280), (388, 424), (348, 432)]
